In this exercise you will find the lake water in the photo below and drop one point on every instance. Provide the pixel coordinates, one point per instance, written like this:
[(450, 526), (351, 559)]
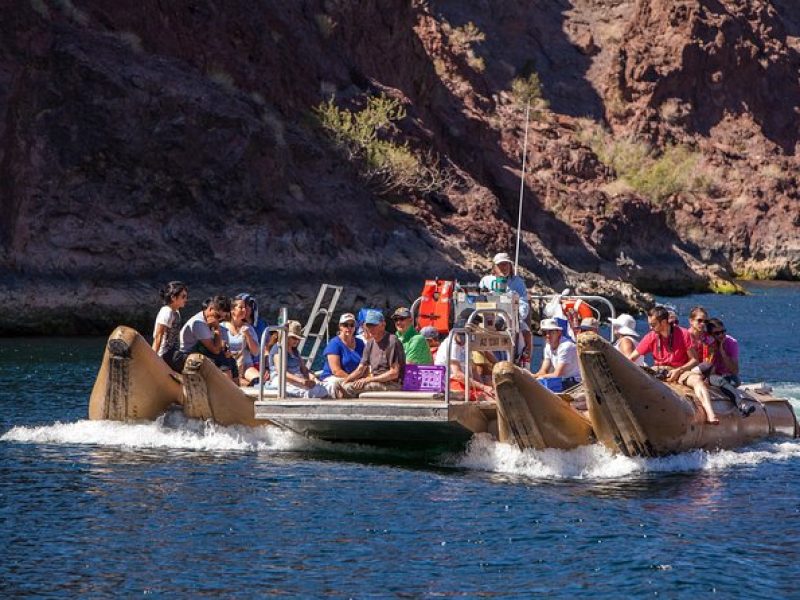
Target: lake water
[(180, 508)]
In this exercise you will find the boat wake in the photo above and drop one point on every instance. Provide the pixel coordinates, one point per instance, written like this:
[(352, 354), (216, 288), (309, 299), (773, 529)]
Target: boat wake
[(170, 431), (596, 462), (790, 391), (174, 431)]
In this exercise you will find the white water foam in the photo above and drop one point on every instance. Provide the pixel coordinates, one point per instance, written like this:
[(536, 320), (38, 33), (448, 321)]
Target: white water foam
[(175, 431), (597, 462), (790, 391), (169, 431)]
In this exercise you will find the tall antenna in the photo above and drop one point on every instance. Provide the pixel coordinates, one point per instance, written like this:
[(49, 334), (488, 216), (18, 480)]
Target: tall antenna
[(522, 184)]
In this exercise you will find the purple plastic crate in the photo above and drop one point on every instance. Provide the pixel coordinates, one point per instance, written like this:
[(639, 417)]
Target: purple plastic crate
[(423, 378)]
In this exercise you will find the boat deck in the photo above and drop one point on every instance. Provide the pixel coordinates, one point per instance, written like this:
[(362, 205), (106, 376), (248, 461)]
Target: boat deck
[(382, 418)]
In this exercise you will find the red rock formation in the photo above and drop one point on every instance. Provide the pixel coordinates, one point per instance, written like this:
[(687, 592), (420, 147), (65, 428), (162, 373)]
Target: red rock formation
[(141, 142), (725, 76)]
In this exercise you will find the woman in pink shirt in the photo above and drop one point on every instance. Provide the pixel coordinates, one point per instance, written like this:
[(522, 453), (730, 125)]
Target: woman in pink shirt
[(671, 347), (723, 353)]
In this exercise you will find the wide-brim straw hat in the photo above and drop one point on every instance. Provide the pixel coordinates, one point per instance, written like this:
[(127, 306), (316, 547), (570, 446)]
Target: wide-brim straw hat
[(294, 329)]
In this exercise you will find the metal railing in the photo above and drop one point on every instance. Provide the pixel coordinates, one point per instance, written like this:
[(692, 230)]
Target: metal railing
[(507, 332), (414, 307), (467, 332), (282, 338), (601, 299)]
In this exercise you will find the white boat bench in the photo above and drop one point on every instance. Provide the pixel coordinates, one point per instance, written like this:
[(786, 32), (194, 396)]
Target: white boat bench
[(252, 392)]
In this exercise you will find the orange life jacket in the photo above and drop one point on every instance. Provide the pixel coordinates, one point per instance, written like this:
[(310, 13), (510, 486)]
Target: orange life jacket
[(571, 307), (436, 305)]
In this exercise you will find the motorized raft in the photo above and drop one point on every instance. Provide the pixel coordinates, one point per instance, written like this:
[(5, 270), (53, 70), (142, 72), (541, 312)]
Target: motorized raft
[(618, 404)]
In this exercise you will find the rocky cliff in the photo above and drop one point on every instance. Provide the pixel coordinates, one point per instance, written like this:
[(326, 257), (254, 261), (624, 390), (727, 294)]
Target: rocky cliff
[(148, 141)]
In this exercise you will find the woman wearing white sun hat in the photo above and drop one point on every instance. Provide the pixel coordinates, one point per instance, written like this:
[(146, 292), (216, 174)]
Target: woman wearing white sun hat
[(624, 328)]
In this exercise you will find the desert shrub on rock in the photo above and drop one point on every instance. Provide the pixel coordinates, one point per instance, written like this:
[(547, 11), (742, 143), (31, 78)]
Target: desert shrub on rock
[(653, 174), (528, 91), (366, 136)]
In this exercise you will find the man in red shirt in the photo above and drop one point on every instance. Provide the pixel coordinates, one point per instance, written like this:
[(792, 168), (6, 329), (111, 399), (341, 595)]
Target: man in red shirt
[(671, 347)]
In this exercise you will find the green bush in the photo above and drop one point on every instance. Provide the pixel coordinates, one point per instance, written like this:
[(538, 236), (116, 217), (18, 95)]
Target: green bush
[(525, 90), (673, 172), (463, 37), (359, 128), (363, 135), (654, 175), (461, 40)]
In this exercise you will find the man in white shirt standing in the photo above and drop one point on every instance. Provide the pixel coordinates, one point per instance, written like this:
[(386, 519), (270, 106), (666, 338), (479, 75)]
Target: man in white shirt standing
[(501, 279), (560, 356)]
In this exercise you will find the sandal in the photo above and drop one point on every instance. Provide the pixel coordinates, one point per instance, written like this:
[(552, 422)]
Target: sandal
[(747, 410)]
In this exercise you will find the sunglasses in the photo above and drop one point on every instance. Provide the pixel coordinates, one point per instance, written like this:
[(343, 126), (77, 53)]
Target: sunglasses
[(349, 324), (719, 332)]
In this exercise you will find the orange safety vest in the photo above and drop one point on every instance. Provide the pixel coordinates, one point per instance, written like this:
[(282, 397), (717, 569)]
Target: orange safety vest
[(436, 305), (570, 307)]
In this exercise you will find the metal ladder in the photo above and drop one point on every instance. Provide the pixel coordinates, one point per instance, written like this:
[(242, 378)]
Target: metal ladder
[(310, 354)]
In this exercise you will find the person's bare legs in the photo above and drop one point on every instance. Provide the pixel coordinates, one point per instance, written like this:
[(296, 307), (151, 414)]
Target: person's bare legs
[(527, 337), (698, 384)]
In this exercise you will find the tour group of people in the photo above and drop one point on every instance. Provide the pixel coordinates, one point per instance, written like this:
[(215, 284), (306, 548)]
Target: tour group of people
[(228, 332), (374, 359)]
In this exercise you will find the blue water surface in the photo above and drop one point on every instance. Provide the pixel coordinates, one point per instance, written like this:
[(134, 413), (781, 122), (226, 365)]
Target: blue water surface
[(180, 508)]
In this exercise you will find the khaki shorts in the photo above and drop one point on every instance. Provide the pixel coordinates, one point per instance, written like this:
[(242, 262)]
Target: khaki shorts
[(373, 386), (478, 358)]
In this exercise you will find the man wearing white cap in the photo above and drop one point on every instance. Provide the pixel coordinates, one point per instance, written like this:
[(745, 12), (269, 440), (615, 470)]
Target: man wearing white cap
[(501, 279), (342, 354), (560, 356), (624, 328)]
